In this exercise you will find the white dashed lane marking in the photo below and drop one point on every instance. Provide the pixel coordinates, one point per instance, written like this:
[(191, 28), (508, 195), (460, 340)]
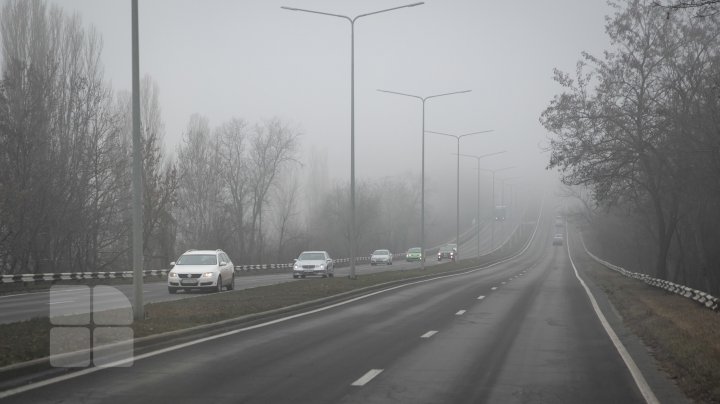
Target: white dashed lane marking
[(460, 313), (493, 288), (480, 297), (428, 334), (367, 377)]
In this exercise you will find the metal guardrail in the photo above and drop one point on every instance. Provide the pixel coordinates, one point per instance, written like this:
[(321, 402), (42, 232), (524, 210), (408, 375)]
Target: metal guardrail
[(64, 276), (706, 299)]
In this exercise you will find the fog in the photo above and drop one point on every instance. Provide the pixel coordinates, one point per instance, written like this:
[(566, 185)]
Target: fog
[(254, 60), (238, 78)]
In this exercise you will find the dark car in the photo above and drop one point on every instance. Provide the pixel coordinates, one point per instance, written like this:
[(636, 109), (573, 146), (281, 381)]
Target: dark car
[(446, 252)]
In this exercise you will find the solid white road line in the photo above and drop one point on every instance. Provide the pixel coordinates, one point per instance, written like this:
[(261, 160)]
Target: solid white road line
[(428, 334), (460, 313), (61, 301), (367, 377), (480, 297), (637, 375)]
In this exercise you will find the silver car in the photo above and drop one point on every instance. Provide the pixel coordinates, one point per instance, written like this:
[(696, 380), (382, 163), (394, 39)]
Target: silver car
[(311, 263), (202, 269), (381, 257)]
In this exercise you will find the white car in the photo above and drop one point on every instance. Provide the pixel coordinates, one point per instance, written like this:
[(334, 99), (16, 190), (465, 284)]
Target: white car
[(313, 263), (381, 257), (202, 269)]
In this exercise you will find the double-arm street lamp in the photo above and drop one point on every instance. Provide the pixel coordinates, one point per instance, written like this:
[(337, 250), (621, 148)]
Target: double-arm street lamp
[(504, 182), (353, 236), (477, 158), (422, 175), (492, 243), (457, 197)]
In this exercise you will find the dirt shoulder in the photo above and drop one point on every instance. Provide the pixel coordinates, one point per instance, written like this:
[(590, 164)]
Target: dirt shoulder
[(681, 334)]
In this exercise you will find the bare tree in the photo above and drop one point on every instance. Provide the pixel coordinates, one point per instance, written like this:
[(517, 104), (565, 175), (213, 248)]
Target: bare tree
[(199, 188), (273, 145), (62, 154), (611, 137), (234, 170)]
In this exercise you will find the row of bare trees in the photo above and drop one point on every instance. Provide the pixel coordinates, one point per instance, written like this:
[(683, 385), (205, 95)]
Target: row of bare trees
[(639, 127), (65, 154)]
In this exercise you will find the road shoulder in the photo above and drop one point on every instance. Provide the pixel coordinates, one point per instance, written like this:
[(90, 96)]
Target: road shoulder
[(659, 381)]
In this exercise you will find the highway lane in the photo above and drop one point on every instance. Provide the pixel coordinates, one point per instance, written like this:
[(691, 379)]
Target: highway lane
[(521, 331), (24, 306)]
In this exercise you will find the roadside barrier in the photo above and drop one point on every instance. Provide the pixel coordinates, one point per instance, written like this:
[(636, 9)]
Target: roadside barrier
[(706, 299), (53, 277)]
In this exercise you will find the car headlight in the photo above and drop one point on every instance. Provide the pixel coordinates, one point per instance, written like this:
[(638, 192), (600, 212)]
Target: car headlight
[(322, 266), (208, 275), (296, 266), (172, 275)]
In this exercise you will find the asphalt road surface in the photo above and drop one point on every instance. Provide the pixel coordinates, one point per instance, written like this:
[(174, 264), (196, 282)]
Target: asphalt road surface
[(24, 306), (521, 331)]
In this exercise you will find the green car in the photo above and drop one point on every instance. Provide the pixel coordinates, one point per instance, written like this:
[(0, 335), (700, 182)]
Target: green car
[(413, 254)]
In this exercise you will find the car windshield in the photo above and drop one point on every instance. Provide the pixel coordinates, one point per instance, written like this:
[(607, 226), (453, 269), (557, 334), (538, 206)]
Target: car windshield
[(197, 259), (311, 257), (414, 250), (446, 248), (381, 252)]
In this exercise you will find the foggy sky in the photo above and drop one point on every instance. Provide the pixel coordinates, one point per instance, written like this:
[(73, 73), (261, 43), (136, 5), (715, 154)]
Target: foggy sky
[(250, 59)]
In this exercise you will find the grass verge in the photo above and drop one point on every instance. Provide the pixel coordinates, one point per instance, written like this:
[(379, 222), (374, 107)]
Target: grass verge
[(682, 335)]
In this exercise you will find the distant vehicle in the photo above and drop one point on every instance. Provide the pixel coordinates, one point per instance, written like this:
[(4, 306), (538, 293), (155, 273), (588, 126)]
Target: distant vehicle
[(559, 221), (317, 263), (500, 212), (558, 239), (381, 257), (414, 254), (202, 269), (448, 251)]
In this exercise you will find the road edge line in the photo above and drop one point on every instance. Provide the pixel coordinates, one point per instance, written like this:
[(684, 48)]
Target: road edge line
[(630, 364)]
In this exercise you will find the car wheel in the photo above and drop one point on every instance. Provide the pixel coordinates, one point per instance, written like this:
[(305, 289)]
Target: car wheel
[(231, 286), (295, 276), (219, 284), (332, 274), (172, 291), (302, 276)]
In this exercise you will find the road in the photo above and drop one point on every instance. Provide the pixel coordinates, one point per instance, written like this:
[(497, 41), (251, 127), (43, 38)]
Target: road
[(24, 306), (521, 331)]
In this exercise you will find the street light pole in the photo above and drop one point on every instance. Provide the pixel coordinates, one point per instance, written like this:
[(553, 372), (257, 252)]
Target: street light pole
[(422, 175), (353, 236), (477, 159), (492, 242), (457, 189), (137, 218)]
